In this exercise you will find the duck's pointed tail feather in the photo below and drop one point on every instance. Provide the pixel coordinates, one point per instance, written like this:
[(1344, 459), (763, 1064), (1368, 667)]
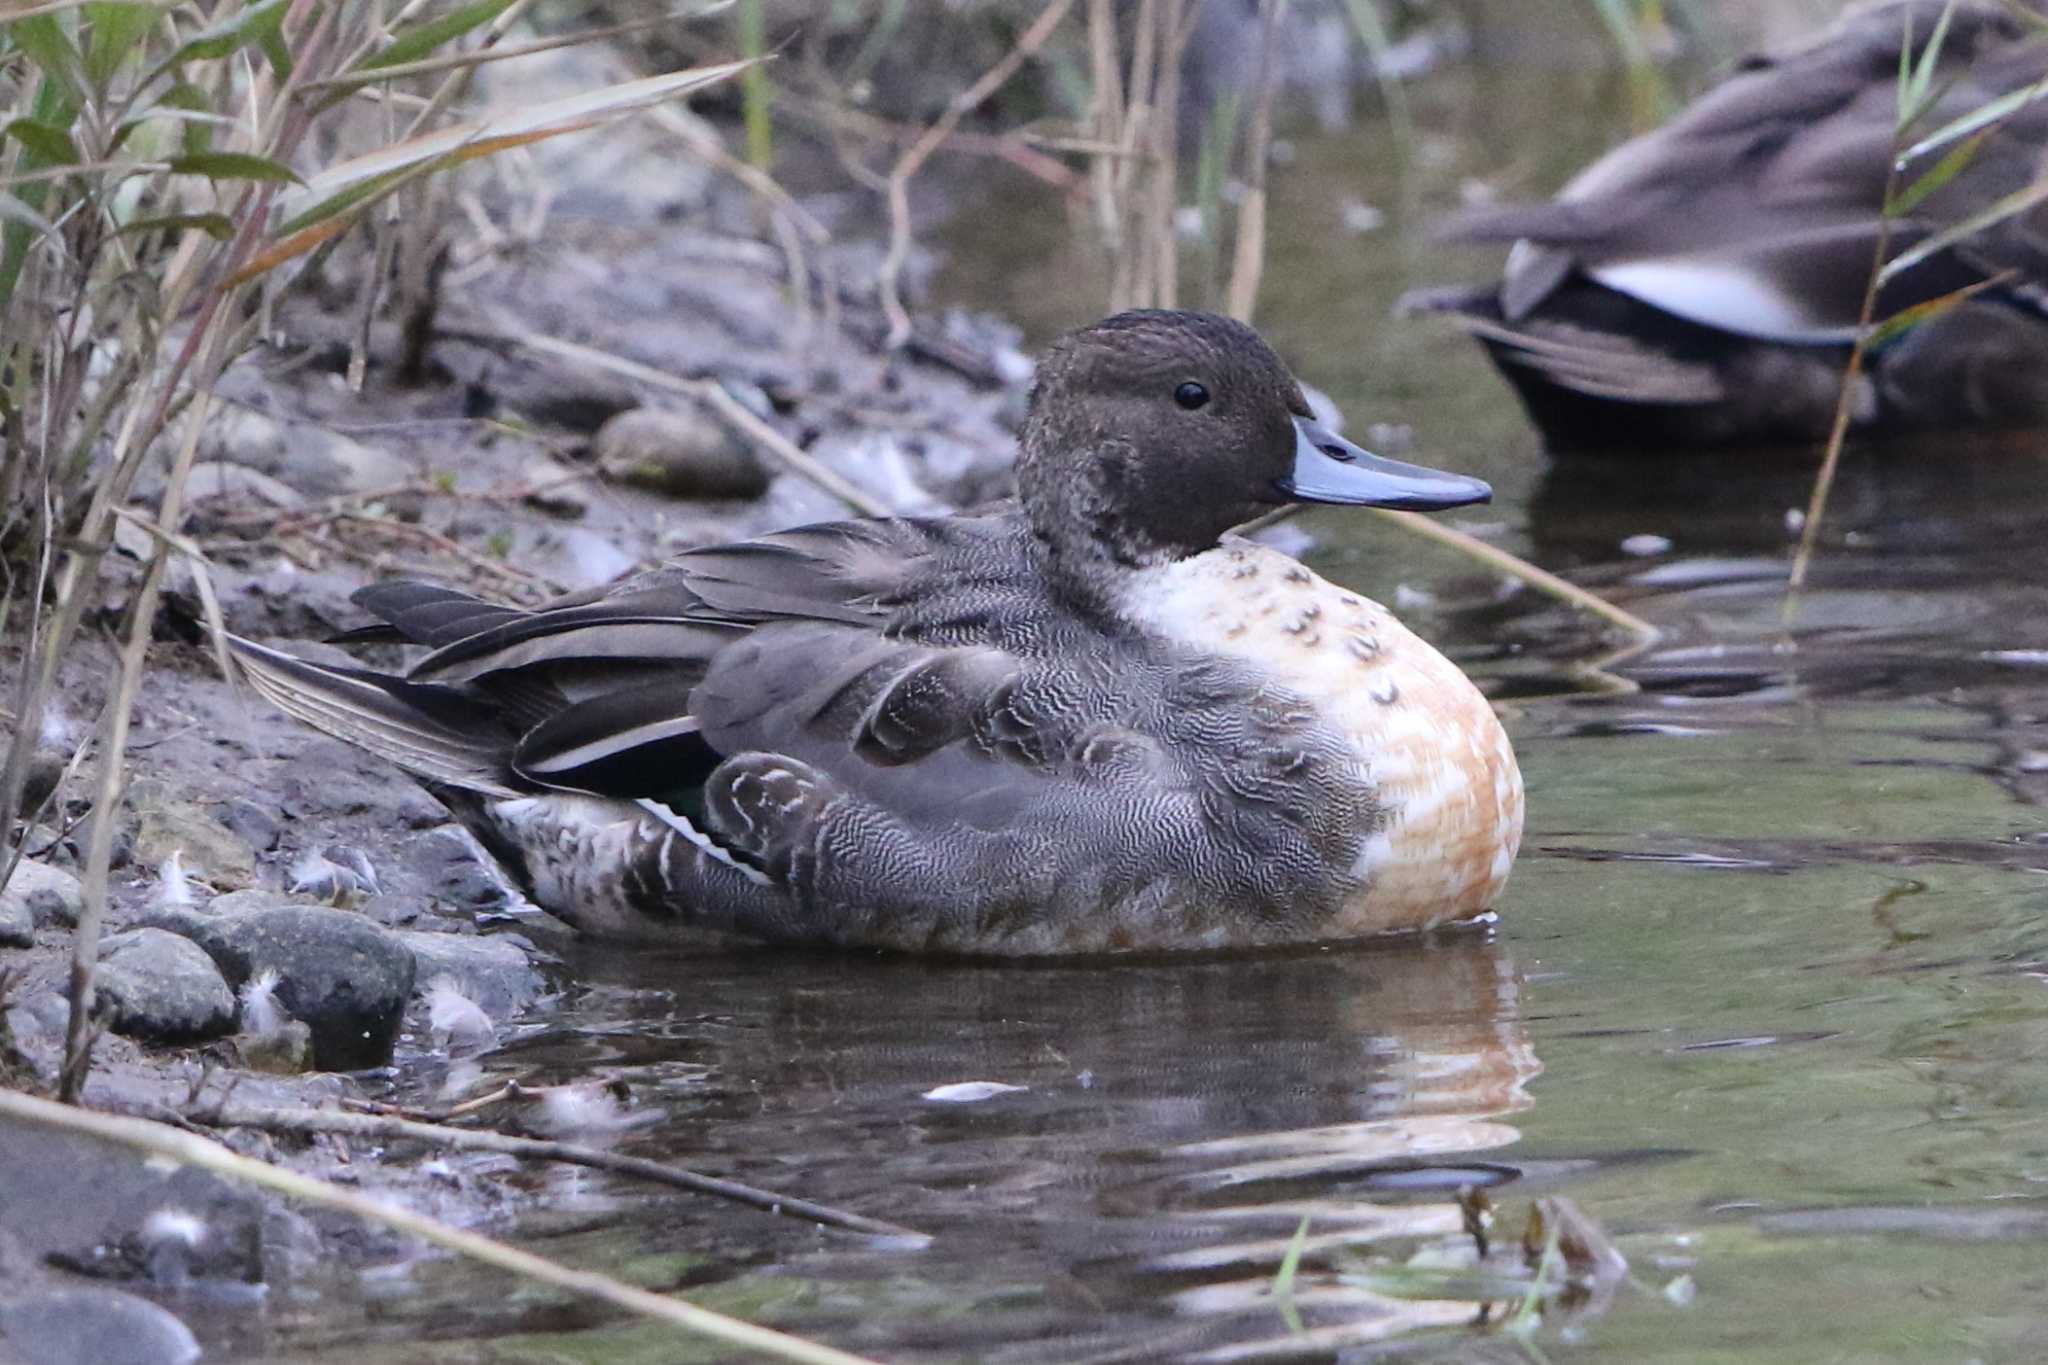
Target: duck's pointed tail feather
[(435, 732)]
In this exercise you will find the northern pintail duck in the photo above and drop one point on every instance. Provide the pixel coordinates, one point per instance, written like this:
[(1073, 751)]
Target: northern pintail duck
[(1701, 284), (1092, 720)]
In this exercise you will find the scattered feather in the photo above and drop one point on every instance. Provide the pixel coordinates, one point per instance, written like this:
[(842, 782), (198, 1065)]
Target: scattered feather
[(588, 1109), (173, 885), (970, 1092), (168, 1240), (262, 1014), (172, 1224), (334, 873), (455, 1017), (462, 1080)]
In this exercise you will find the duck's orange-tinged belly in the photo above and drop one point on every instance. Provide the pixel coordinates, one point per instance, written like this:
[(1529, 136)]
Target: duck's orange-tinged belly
[(1426, 739)]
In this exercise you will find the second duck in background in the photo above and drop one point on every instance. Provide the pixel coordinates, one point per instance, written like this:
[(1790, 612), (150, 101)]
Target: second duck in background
[(1701, 284)]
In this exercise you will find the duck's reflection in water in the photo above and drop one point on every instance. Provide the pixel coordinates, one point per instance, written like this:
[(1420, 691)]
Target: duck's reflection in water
[(1406, 1065), (1177, 1120)]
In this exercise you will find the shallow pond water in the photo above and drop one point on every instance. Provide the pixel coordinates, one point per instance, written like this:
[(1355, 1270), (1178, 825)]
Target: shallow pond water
[(1767, 997)]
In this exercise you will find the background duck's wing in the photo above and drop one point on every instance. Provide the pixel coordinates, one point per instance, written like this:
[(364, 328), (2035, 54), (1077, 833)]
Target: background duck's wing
[(1757, 210)]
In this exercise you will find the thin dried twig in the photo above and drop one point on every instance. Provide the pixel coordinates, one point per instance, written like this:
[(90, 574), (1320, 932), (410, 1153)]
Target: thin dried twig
[(1514, 566), (387, 1128), (164, 1141), (907, 165)]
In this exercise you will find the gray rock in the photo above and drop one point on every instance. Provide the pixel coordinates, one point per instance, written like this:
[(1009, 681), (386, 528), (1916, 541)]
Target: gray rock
[(345, 978), (45, 1014), (253, 824), (417, 810), (287, 1051), (165, 825), (446, 861), (215, 479), (683, 453), (163, 988), (554, 488), (104, 1326), (306, 458), (38, 895), (496, 971), (47, 844), (17, 921)]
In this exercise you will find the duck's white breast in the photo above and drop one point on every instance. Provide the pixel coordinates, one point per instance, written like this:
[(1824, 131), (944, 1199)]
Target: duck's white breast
[(1424, 737)]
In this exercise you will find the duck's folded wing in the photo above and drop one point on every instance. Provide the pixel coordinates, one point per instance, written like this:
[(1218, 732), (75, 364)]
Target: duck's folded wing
[(605, 689), (962, 734)]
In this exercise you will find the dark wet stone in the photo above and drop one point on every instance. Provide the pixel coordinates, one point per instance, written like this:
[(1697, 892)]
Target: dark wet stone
[(45, 895), (497, 971), (163, 988), (255, 825), (45, 771), (684, 453), (104, 1326), (345, 978)]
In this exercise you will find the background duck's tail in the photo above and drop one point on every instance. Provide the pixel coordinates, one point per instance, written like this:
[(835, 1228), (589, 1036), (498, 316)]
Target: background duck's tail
[(437, 732)]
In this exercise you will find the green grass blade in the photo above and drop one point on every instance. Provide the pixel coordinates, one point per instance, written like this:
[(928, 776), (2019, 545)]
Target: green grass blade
[(1998, 110), (48, 44), (215, 225), (1904, 201), (420, 40), (234, 166), (2012, 205), (118, 28), (51, 144)]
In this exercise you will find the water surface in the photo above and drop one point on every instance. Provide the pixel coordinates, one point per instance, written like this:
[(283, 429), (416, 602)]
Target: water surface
[(1765, 999)]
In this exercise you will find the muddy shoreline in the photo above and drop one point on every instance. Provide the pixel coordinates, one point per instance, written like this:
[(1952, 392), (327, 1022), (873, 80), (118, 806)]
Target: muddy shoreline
[(259, 863)]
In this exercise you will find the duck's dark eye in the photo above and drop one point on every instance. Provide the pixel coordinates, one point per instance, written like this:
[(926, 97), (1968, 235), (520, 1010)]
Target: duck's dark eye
[(1191, 395)]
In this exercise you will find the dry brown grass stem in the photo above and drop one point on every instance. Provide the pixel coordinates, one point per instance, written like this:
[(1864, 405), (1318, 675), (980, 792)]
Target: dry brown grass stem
[(392, 1128), (79, 1031), (1133, 122), (1838, 430), (162, 1141), (1248, 263), (887, 279)]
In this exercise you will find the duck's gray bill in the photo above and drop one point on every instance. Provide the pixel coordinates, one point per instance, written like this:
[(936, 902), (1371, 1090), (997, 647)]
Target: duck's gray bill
[(1328, 468)]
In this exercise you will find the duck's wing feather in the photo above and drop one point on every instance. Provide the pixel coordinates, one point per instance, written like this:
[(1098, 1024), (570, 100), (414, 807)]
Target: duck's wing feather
[(829, 643), (436, 732)]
